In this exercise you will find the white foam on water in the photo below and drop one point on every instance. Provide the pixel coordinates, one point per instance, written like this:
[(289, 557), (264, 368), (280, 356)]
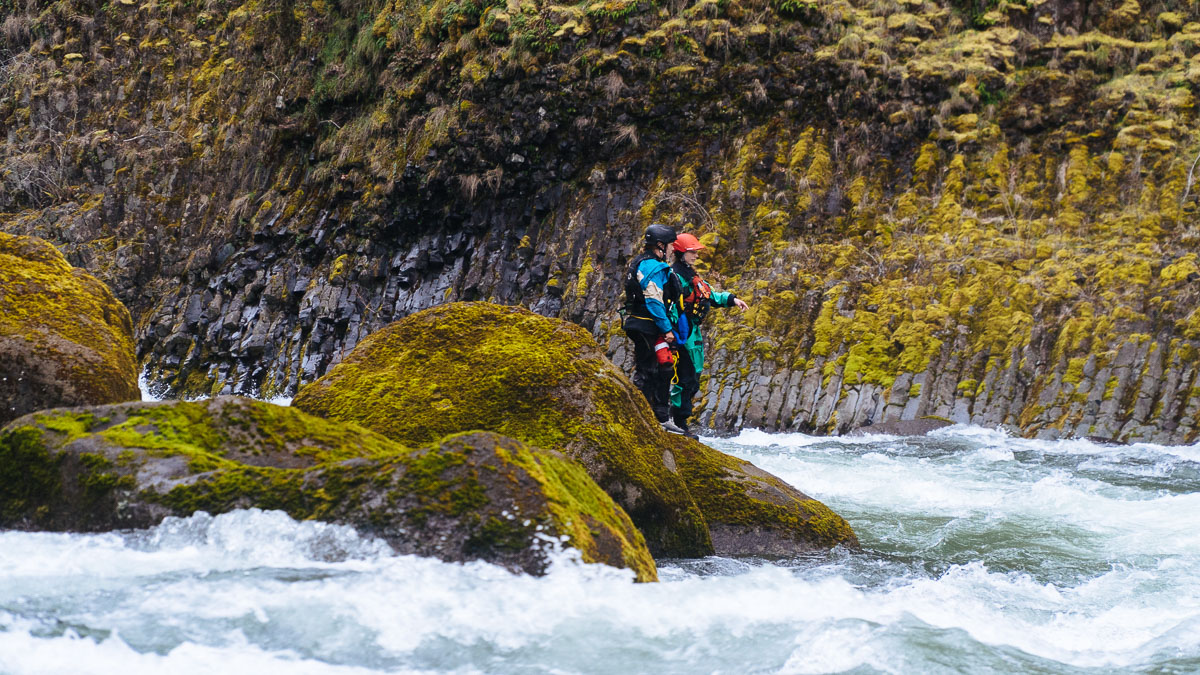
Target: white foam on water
[(199, 543), (144, 387), (399, 605), (986, 481), (757, 437), (1070, 446), (991, 438), (254, 591), (911, 484), (24, 654), (147, 394), (836, 648)]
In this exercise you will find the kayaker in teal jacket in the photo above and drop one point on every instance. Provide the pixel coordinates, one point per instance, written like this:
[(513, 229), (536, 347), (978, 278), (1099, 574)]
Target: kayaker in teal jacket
[(697, 298)]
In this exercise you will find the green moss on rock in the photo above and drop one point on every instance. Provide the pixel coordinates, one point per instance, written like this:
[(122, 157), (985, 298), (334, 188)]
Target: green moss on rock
[(30, 476), (468, 366), (751, 511), (471, 496)]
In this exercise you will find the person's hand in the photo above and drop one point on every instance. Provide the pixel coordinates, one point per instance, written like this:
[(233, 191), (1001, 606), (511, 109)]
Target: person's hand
[(669, 337), (741, 304)]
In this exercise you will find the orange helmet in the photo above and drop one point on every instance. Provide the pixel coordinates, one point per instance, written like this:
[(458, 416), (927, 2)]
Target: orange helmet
[(687, 242)]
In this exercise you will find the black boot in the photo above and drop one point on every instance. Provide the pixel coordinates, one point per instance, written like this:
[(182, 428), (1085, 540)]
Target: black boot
[(681, 421)]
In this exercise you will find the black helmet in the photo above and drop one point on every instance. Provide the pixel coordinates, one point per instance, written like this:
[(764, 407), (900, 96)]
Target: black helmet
[(659, 234)]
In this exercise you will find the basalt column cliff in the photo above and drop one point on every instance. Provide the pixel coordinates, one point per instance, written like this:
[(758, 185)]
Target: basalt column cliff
[(983, 211)]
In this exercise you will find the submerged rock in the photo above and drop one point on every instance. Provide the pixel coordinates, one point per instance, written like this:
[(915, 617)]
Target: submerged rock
[(474, 496), (752, 512), (64, 339), (903, 427), (467, 366)]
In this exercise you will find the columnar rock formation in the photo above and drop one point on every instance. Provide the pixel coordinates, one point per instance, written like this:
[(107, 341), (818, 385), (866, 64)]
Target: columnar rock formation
[(979, 211)]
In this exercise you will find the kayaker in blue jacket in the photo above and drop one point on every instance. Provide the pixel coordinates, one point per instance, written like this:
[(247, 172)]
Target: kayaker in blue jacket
[(652, 313)]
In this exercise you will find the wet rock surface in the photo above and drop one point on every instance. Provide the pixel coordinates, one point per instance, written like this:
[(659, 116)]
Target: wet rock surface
[(902, 427)]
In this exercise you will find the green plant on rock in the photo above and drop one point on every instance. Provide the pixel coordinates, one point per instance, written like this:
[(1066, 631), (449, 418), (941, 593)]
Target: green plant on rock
[(612, 11), (795, 9)]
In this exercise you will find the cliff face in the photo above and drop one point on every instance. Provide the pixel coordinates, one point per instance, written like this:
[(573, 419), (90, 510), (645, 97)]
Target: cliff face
[(980, 211)]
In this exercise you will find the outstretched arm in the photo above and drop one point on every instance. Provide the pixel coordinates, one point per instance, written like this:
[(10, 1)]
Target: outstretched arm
[(724, 299)]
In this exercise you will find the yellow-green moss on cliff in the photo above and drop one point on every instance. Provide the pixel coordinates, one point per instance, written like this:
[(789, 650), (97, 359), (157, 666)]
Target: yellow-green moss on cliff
[(894, 185)]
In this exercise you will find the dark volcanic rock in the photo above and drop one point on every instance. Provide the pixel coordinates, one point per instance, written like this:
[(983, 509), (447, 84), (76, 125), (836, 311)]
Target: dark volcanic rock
[(902, 427)]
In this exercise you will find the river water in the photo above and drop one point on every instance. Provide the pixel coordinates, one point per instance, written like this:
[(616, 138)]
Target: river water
[(982, 553)]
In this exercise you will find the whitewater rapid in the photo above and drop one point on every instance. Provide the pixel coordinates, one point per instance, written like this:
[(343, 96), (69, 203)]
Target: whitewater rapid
[(982, 553)]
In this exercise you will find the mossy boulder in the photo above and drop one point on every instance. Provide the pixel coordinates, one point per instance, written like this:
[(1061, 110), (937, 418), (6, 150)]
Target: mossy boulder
[(64, 339), (476, 496), (470, 366)]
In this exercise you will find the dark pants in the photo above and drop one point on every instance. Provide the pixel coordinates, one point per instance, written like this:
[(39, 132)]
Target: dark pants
[(654, 380), (689, 381)]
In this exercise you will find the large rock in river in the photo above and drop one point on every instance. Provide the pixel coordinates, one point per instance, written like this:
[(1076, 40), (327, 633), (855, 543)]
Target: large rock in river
[(468, 496), (64, 339), (467, 366)]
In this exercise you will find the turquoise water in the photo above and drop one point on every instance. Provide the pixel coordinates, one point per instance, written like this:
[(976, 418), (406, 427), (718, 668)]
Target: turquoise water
[(982, 553)]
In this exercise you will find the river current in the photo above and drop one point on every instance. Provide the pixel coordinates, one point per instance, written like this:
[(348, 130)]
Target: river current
[(981, 553)]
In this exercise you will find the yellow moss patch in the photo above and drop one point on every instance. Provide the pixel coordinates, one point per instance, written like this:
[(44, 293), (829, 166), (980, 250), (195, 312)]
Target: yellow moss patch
[(64, 326)]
